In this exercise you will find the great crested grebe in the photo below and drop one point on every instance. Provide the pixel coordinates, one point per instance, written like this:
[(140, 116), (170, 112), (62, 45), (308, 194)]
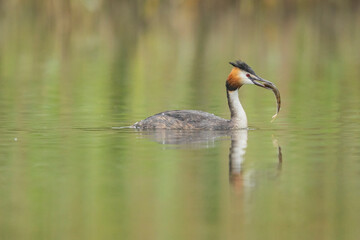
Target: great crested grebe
[(240, 75)]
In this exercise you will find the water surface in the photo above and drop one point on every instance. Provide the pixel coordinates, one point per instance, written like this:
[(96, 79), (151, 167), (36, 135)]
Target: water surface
[(68, 76)]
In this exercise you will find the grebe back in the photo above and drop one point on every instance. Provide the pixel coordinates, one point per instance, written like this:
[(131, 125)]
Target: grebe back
[(240, 75)]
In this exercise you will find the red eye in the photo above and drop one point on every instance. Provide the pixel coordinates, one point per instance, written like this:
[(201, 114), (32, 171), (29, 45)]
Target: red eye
[(248, 75)]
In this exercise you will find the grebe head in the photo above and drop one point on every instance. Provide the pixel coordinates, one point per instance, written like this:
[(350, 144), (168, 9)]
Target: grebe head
[(242, 74)]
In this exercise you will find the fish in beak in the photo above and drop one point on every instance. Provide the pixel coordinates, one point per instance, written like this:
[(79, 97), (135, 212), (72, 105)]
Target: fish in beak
[(258, 81)]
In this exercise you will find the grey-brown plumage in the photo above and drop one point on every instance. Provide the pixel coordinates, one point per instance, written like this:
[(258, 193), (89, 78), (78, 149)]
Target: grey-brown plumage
[(184, 119)]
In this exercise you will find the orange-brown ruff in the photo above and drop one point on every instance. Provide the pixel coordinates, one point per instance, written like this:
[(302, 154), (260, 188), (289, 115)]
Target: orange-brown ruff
[(233, 80), (240, 75)]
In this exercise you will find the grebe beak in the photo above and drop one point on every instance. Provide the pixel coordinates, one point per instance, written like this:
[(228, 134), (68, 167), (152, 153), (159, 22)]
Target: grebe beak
[(258, 81)]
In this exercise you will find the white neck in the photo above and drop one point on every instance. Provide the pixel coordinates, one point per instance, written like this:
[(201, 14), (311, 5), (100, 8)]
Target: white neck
[(238, 115)]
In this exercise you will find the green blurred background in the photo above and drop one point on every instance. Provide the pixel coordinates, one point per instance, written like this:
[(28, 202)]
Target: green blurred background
[(71, 70)]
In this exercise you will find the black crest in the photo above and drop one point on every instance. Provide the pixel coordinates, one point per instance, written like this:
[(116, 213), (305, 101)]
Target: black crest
[(243, 66)]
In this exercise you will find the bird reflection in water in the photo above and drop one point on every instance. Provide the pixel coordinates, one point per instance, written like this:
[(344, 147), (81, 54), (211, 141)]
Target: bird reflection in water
[(207, 139), (237, 156)]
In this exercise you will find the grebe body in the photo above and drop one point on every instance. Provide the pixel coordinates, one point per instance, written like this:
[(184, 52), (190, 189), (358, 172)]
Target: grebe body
[(240, 75), (184, 119)]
